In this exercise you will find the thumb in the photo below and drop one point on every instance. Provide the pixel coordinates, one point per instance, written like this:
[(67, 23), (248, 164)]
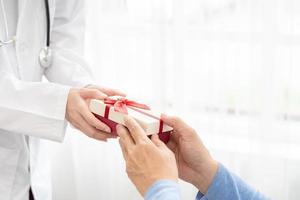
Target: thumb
[(92, 94), (180, 128), (175, 122)]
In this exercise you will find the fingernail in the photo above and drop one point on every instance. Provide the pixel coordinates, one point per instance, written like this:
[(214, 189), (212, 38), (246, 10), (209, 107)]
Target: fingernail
[(163, 115), (103, 96), (107, 129), (112, 138), (154, 136), (119, 127), (126, 119)]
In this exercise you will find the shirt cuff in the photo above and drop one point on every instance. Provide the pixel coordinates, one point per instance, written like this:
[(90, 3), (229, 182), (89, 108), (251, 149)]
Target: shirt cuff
[(61, 108), (163, 189), (216, 189), (228, 186), (200, 196)]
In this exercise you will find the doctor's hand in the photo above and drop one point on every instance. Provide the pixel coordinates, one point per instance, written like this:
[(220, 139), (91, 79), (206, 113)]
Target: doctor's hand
[(79, 115), (107, 91), (195, 165), (146, 161)]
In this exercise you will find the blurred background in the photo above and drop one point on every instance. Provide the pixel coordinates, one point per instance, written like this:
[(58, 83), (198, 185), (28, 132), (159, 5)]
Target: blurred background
[(230, 68)]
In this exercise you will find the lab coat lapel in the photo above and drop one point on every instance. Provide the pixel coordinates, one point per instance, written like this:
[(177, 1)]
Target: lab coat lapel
[(30, 36), (21, 12), (21, 4)]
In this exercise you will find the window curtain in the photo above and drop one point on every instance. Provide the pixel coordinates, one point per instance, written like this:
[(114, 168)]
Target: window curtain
[(230, 68)]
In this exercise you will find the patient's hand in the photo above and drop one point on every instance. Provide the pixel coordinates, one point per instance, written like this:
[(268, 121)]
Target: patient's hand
[(195, 165), (146, 161)]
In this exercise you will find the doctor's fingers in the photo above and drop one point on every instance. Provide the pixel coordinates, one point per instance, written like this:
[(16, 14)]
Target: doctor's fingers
[(111, 92), (92, 132), (75, 120), (107, 91), (91, 119), (87, 93)]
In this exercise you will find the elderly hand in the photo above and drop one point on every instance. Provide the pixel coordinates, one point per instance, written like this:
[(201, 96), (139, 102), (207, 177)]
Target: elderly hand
[(195, 165), (146, 161), (79, 115)]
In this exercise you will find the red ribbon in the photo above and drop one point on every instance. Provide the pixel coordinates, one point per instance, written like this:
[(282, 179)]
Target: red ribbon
[(121, 104)]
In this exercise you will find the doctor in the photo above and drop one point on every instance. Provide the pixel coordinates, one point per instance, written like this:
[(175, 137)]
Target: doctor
[(41, 38)]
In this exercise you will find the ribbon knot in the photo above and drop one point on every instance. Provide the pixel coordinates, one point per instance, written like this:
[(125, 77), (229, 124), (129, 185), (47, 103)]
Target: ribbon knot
[(121, 104)]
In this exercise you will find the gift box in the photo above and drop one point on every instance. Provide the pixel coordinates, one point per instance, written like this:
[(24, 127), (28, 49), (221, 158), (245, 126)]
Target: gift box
[(112, 110)]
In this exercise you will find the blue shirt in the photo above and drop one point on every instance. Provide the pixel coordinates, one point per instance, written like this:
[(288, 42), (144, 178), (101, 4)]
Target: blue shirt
[(225, 186)]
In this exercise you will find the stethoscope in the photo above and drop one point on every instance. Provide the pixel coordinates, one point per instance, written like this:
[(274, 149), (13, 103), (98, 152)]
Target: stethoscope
[(45, 56)]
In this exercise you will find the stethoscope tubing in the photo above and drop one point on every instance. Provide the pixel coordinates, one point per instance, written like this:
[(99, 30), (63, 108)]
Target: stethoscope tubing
[(45, 56), (48, 22), (10, 41), (3, 43)]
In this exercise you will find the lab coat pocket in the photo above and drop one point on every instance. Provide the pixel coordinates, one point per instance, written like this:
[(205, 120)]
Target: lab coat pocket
[(8, 165)]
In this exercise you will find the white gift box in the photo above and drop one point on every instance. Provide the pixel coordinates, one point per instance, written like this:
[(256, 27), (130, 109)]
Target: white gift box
[(108, 113)]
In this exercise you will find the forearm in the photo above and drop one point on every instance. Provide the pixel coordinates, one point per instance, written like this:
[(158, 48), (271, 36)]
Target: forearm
[(163, 190), (227, 186)]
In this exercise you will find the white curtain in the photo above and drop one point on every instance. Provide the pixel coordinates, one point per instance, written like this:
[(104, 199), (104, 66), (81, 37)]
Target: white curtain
[(228, 67)]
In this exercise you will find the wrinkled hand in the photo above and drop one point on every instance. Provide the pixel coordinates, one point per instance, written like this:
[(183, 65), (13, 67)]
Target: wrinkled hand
[(79, 115), (146, 161), (195, 165)]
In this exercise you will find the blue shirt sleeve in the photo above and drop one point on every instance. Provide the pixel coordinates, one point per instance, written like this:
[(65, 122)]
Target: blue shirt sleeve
[(163, 190), (227, 186)]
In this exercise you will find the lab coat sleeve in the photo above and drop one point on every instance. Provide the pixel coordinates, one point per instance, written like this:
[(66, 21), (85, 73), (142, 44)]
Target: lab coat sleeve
[(67, 42), (32, 108)]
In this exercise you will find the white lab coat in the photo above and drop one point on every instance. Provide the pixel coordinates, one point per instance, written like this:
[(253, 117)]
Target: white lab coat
[(31, 110)]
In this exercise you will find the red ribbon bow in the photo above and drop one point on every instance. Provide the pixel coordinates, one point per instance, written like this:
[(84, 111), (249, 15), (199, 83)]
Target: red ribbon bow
[(122, 103)]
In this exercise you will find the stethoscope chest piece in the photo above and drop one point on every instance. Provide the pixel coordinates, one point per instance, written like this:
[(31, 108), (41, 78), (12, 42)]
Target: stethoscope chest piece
[(45, 57)]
